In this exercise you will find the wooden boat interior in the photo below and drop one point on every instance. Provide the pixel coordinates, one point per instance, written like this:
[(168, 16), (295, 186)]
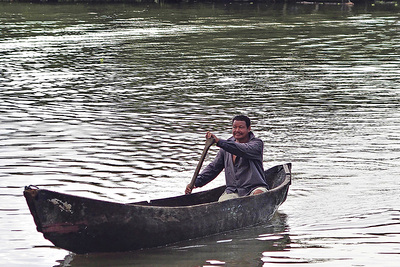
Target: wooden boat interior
[(275, 176)]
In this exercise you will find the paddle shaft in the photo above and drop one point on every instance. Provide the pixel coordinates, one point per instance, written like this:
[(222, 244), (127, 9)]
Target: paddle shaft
[(209, 143)]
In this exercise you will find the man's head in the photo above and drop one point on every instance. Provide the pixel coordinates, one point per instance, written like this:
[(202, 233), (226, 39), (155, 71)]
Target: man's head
[(242, 118), (241, 128)]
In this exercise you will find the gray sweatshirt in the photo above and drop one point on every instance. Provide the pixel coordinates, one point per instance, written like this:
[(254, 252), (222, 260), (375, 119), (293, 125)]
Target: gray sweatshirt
[(245, 174)]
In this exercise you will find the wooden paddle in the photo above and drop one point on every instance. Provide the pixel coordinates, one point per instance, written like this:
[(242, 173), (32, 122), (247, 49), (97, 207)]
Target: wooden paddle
[(209, 142)]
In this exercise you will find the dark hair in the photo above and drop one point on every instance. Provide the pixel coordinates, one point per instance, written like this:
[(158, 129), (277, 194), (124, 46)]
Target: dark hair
[(242, 118)]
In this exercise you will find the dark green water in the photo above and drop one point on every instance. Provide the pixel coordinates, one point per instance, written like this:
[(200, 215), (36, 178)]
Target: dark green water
[(113, 101)]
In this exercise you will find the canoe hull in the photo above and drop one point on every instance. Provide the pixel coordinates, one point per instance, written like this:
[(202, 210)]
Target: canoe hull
[(84, 225)]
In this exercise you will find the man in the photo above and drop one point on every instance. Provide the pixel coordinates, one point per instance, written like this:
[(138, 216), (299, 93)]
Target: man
[(242, 158)]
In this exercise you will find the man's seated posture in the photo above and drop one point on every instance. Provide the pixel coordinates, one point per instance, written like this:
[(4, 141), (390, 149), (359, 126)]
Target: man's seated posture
[(242, 158)]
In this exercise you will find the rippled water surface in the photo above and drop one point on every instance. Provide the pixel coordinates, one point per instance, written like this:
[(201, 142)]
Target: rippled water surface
[(113, 101)]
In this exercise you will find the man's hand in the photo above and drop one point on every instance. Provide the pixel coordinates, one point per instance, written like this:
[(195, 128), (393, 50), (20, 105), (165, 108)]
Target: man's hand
[(188, 190), (210, 135)]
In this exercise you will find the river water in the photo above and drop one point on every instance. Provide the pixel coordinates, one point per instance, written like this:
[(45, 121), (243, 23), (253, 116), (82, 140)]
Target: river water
[(113, 101)]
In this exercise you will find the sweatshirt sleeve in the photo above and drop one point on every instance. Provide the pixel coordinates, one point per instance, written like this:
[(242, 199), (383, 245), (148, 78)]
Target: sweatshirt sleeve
[(251, 150), (211, 171)]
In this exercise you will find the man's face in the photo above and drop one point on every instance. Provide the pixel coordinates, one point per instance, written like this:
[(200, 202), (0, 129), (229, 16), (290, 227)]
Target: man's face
[(240, 131)]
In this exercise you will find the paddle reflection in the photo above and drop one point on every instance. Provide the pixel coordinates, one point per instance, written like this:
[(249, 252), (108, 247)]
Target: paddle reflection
[(243, 247)]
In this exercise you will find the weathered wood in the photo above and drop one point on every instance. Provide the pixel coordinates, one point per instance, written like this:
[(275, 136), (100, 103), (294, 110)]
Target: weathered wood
[(83, 225)]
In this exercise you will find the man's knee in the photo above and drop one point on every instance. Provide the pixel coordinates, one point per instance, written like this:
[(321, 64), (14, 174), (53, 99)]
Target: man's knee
[(226, 196), (258, 190)]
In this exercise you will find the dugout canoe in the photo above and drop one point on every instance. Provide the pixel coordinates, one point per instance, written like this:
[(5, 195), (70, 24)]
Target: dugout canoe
[(84, 225)]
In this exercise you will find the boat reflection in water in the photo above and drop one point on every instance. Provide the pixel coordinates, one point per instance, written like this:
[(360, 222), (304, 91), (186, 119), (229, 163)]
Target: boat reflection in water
[(244, 247)]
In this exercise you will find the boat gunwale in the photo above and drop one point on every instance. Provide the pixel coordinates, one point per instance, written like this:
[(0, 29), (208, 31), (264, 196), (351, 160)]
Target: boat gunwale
[(286, 182)]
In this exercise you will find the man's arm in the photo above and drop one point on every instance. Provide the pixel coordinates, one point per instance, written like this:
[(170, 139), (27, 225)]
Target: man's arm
[(251, 150), (209, 173)]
